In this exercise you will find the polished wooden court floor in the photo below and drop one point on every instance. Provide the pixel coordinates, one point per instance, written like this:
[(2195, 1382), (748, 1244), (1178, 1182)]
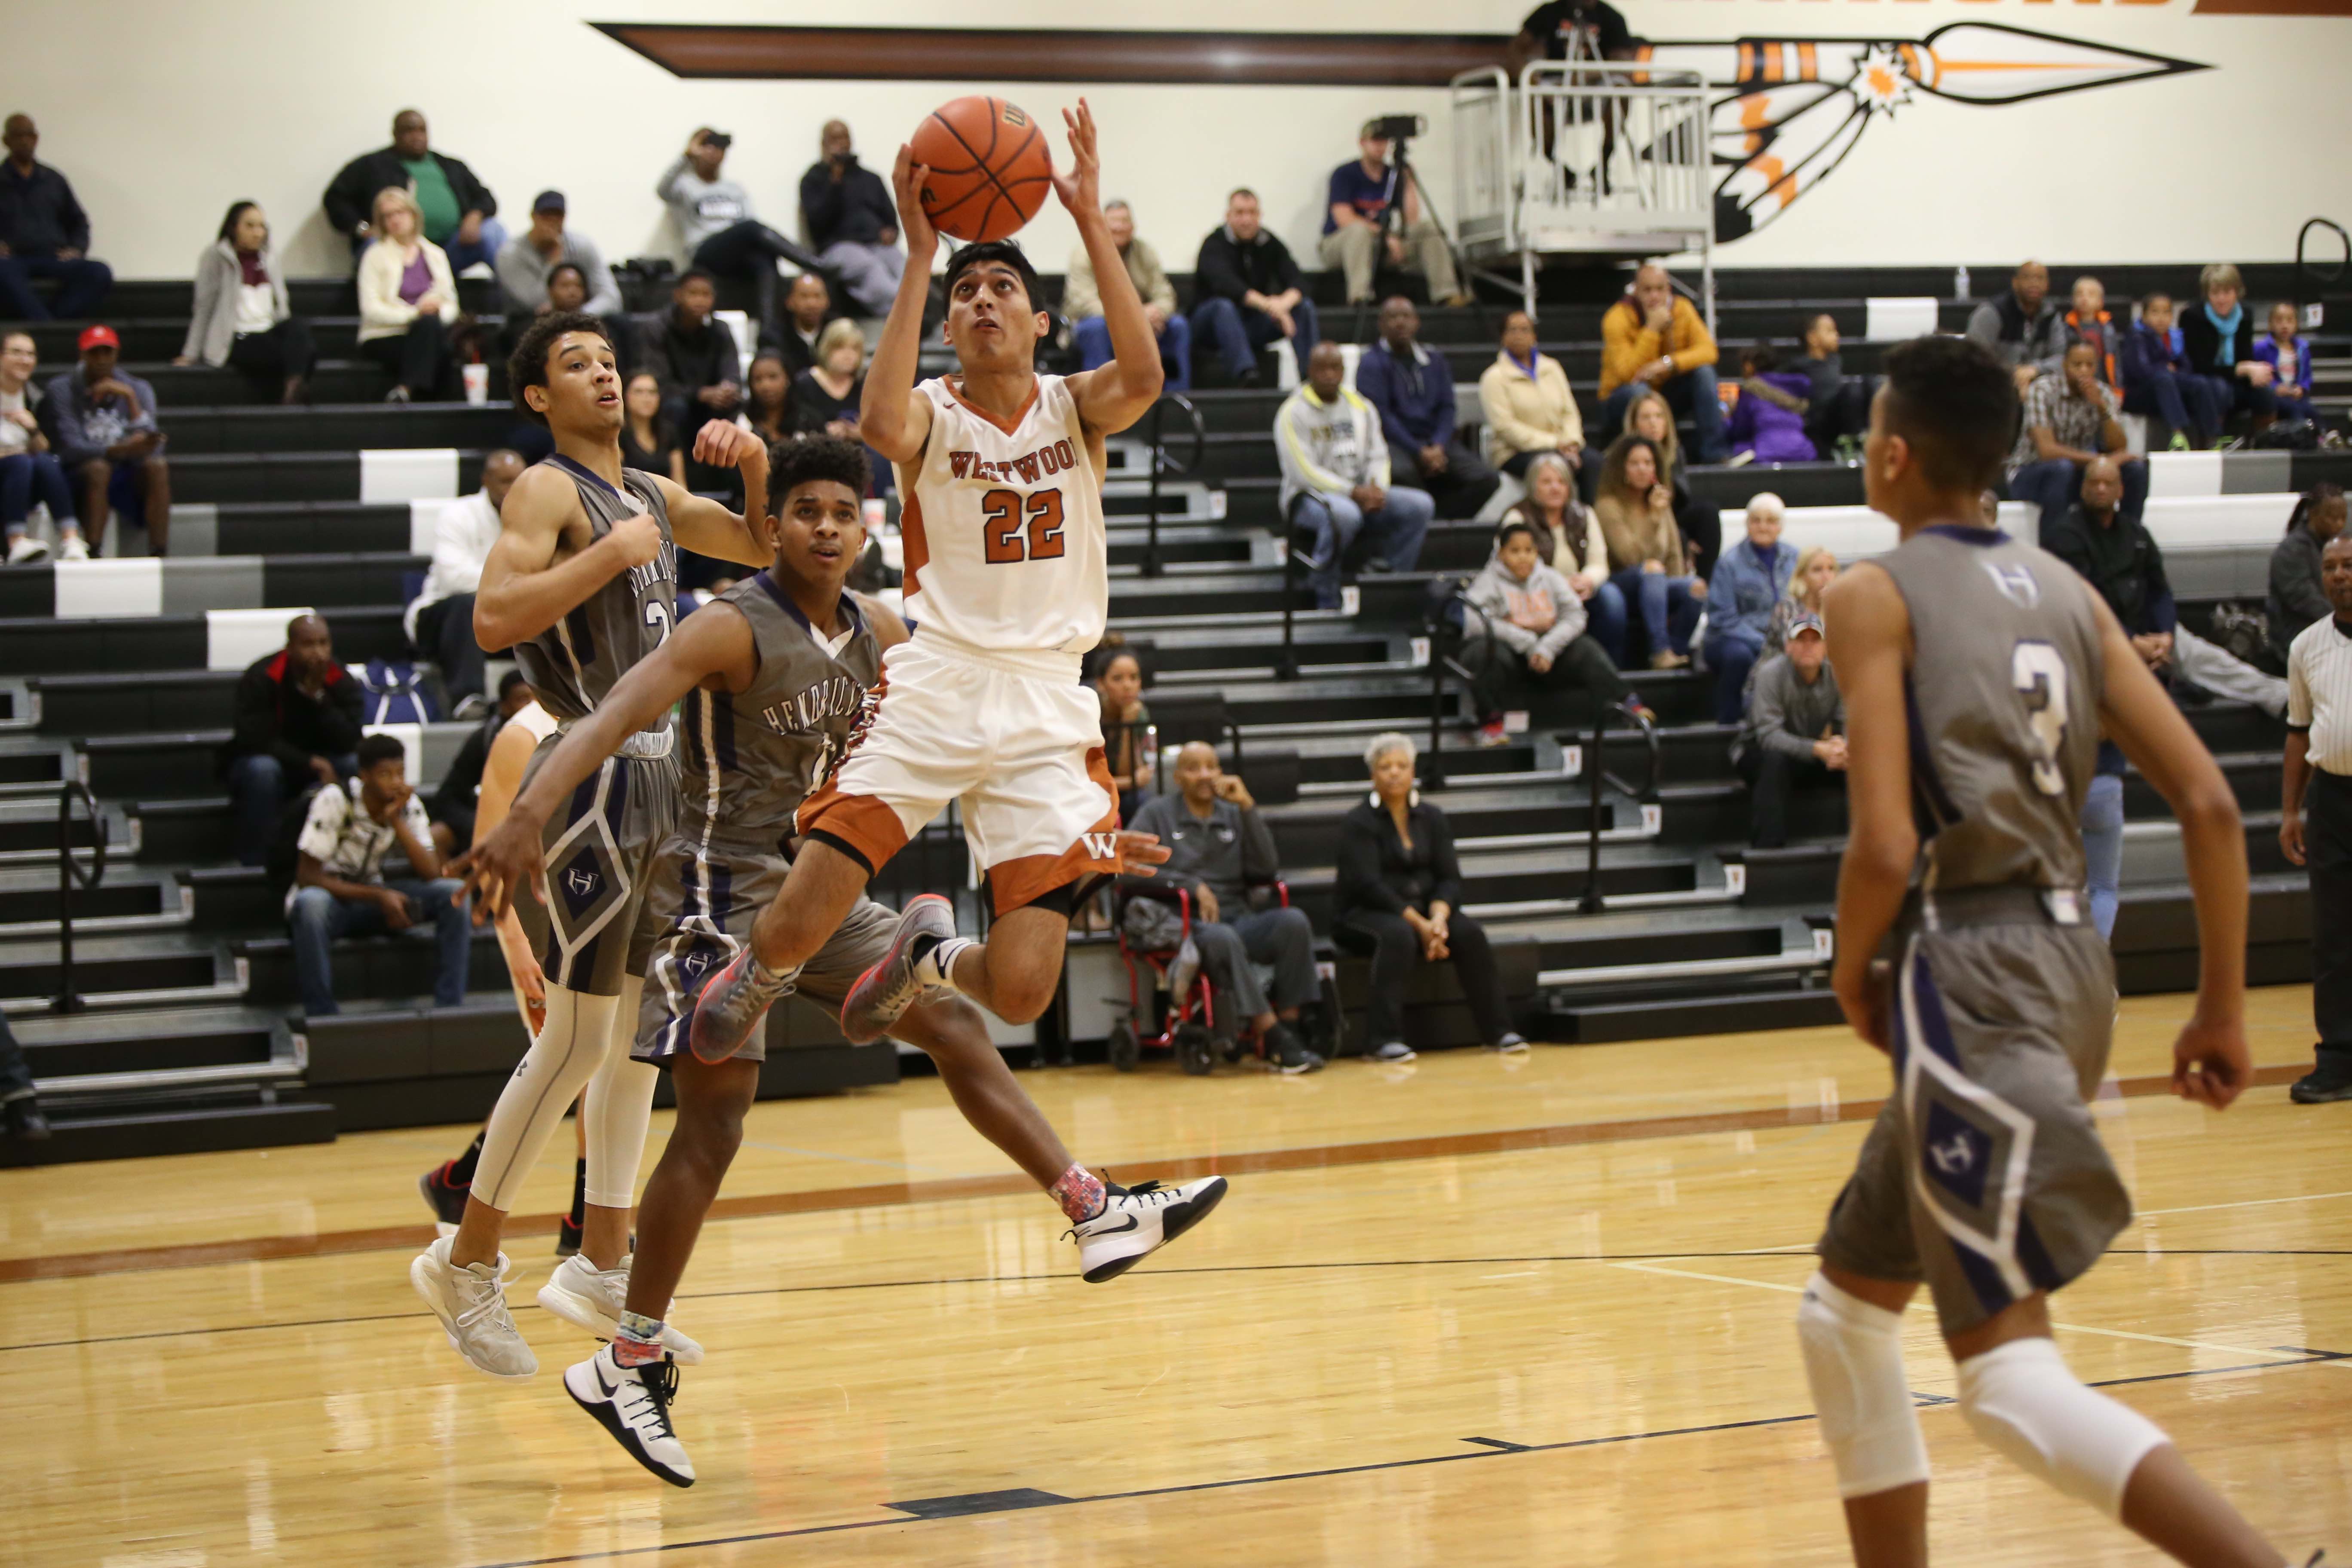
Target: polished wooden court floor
[(1476, 1310)]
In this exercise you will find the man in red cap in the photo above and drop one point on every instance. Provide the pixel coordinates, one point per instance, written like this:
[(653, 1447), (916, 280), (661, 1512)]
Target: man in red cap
[(108, 440)]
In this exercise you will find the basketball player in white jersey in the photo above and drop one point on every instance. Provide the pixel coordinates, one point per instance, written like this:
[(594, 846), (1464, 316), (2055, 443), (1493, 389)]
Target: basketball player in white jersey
[(1007, 587), (581, 583)]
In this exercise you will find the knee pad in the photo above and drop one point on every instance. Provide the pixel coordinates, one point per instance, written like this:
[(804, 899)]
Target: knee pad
[(1854, 1362), (2024, 1402)]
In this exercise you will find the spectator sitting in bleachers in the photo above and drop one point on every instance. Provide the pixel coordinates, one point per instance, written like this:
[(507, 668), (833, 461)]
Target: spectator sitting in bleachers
[(2102, 538), (1219, 850), (1248, 291), (1653, 339), (2024, 327), (2289, 358), (297, 718), (1335, 477), (1817, 568), (1837, 405), (2069, 419), (408, 302), (648, 440), (339, 884), (768, 397), (1530, 407), (455, 210), (102, 421), (2157, 378), (715, 224), (1650, 416), (2218, 338), (1126, 749), (826, 398), (29, 470), (1354, 239), (567, 292), (792, 332), (1767, 423), (440, 619), (453, 803), (2296, 598), (1568, 538), (2087, 322), (1412, 386), (1794, 734), (1399, 892), (44, 232), (1647, 560), (1082, 302), (695, 357), (1751, 581), (1540, 622), (852, 222), (525, 262), (242, 318)]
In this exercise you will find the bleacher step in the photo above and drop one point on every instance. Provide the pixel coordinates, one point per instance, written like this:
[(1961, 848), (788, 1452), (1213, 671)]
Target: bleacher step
[(130, 1134)]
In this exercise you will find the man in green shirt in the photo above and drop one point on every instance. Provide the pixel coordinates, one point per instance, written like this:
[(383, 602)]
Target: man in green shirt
[(461, 213)]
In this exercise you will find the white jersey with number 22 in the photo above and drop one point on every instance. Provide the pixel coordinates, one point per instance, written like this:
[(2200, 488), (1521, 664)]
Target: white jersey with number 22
[(1005, 547)]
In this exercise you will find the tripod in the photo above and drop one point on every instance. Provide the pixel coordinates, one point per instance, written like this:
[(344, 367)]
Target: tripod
[(1392, 230)]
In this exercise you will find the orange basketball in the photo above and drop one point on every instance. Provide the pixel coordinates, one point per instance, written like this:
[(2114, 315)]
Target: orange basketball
[(990, 168)]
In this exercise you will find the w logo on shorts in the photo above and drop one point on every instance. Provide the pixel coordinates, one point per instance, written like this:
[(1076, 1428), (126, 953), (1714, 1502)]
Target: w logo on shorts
[(1100, 845)]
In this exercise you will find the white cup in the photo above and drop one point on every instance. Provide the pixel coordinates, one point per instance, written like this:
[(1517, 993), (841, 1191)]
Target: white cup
[(478, 383)]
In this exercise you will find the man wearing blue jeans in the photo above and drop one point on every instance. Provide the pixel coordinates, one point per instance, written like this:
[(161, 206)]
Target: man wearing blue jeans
[(1335, 477), (339, 890), (297, 718), (2069, 421), (1250, 291)]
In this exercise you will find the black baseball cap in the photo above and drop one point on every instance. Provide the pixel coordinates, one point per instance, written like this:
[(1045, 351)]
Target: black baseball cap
[(546, 202)]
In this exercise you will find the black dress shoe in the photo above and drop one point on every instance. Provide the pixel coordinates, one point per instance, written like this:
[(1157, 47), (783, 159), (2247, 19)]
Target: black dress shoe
[(25, 1120)]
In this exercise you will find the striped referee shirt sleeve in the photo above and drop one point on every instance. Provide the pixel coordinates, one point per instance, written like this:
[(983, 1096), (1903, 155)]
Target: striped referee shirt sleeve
[(2298, 685)]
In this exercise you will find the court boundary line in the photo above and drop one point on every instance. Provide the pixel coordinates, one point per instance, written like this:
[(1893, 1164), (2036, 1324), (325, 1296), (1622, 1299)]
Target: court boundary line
[(1443, 1145)]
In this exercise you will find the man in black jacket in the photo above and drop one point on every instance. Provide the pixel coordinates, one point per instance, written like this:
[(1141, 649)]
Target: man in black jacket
[(44, 232), (458, 208), (1250, 293), (297, 718), (852, 222), (794, 332), (694, 357)]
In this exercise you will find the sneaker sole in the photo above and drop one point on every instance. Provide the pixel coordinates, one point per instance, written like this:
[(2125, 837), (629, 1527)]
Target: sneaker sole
[(582, 1313), (609, 1418), (1172, 1224), (2320, 1097), (420, 1277), (440, 1227), (868, 1030)]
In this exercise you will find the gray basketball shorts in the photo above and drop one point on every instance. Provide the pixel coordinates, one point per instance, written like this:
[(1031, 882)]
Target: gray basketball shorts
[(600, 852), (701, 905), (1984, 1175)]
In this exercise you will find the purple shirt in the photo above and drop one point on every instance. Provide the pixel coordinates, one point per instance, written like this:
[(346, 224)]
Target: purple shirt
[(415, 279)]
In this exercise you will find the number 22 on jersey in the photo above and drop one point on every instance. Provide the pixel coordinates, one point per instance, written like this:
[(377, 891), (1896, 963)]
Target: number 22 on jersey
[(1004, 513)]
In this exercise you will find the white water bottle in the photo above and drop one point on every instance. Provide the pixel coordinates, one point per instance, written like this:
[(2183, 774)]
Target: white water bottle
[(1960, 281)]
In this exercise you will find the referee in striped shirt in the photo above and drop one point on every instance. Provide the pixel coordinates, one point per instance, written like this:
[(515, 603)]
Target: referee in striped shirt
[(2319, 756)]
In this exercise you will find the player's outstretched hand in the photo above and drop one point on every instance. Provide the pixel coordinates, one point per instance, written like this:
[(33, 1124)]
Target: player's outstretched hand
[(1139, 852), (491, 870), (725, 445), (2210, 1063), (1081, 188), (907, 178)]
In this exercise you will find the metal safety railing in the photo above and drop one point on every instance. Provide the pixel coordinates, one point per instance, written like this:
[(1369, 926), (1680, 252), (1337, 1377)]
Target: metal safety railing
[(1152, 566), (1592, 902), (70, 874), (1583, 157), (1454, 624), (2305, 270)]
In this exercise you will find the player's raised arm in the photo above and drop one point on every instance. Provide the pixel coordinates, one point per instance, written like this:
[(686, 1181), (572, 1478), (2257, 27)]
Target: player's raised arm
[(706, 528), (714, 642), (1115, 395), (2211, 1061), (892, 419), (524, 589), (1868, 646)]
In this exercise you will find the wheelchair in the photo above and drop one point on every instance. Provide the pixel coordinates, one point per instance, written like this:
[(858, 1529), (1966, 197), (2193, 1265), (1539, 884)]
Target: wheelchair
[(1159, 1019)]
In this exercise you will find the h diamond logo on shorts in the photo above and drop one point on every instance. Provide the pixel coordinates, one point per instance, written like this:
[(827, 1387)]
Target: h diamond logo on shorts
[(580, 880), (1956, 1156)]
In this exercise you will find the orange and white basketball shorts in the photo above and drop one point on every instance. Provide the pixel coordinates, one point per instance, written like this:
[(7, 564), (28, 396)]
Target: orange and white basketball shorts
[(1015, 738)]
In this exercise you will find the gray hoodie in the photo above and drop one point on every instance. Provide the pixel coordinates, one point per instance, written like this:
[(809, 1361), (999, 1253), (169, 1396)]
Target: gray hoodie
[(1329, 449), (702, 207), (1515, 607)]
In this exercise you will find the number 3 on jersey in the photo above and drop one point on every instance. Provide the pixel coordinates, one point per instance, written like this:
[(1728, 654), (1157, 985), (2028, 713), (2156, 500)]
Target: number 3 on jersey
[(1004, 514), (2040, 675)]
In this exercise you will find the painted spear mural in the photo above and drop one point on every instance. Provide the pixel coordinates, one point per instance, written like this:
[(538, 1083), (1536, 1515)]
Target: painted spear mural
[(1795, 106)]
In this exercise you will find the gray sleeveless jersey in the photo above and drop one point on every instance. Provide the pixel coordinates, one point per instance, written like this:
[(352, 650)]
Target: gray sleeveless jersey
[(573, 663), (751, 756), (2004, 693)]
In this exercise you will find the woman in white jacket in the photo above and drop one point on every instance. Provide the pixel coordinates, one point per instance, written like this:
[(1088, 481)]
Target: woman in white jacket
[(242, 317), (408, 301)]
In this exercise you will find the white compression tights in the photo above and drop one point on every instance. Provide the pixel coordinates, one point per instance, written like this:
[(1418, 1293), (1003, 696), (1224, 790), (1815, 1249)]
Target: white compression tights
[(584, 1047)]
